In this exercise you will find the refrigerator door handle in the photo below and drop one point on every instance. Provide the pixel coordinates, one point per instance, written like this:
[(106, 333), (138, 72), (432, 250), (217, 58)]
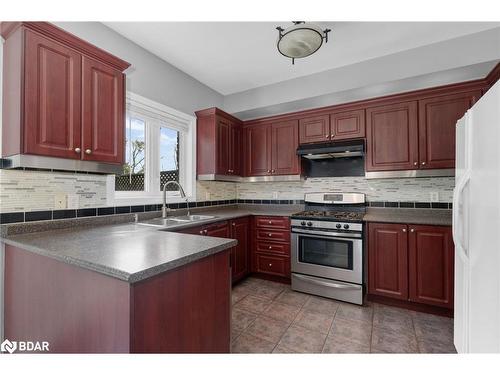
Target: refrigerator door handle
[(456, 218)]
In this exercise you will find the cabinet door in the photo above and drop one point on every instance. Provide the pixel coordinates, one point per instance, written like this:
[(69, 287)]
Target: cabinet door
[(103, 112), (52, 98), (314, 129), (388, 260), (235, 154), (223, 146), (431, 264), (347, 125), (285, 140), (258, 150), (239, 254), (438, 117), (217, 230), (392, 137)]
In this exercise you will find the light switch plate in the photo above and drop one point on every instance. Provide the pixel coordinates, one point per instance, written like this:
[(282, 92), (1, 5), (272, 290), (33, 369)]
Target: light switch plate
[(60, 201), (434, 196), (73, 201)]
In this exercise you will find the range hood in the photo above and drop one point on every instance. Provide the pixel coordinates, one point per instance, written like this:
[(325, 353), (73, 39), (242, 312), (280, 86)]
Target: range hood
[(333, 159), (332, 150)]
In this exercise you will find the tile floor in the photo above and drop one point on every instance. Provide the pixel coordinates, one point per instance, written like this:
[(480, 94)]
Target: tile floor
[(269, 317)]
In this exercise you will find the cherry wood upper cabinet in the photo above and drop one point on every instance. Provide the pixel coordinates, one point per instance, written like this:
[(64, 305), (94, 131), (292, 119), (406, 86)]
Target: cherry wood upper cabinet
[(431, 264), (218, 143), (52, 102), (103, 112), (392, 137), (62, 95), (314, 129), (258, 151), (347, 125), (285, 140), (437, 121), (388, 260)]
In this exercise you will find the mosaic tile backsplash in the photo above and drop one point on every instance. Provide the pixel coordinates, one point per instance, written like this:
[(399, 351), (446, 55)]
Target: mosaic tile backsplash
[(396, 190), (35, 190)]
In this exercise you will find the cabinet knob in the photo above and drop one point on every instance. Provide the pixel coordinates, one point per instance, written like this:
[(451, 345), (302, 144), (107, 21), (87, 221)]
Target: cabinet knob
[(234, 224), (268, 171), (88, 151), (205, 231), (201, 232), (270, 222), (270, 264), (327, 136), (404, 230), (423, 163), (78, 150), (412, 230), (273, 171), (270, 234), (415, 163), (331, 135)]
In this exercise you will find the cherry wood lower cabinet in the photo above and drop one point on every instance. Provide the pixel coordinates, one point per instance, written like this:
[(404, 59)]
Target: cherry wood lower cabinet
[(185, 310), (413, 263), (271, 246)]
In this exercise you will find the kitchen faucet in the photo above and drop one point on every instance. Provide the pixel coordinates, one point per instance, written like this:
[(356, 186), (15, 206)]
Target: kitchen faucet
[(183, 195)]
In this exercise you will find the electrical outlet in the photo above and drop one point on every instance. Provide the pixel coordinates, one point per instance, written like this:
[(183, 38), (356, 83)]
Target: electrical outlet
[(73, 201), (434, 196), (275, 195), (60, 201), (207, 196)]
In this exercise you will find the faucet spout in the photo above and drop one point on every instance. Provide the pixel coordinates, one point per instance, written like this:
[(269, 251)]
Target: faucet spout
[(164, 210)]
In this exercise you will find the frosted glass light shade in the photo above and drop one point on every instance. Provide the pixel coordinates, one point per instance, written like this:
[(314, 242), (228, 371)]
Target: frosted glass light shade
[(300, 40)]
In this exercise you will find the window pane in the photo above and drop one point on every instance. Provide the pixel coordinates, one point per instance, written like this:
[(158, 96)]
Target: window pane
[(169, 157), (133, 169)]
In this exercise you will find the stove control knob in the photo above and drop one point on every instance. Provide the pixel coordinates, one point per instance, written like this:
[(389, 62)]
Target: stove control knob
[(338, 226), (346, 226), (309, 223), (302, 223)]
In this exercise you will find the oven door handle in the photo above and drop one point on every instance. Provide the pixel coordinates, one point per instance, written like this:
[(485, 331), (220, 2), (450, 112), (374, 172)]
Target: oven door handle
[(326, 283), (326, 234)]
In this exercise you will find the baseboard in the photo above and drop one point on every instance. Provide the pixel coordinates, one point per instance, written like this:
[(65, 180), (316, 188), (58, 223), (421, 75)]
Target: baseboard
[(411, 305)]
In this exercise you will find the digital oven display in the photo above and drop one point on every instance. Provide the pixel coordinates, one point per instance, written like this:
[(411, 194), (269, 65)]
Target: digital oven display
[(333, 197)]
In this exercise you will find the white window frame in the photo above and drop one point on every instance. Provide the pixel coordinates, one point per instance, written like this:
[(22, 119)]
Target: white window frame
[(156, 115)]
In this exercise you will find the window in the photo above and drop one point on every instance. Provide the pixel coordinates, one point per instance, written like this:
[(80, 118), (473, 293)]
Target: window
[(160, 146)]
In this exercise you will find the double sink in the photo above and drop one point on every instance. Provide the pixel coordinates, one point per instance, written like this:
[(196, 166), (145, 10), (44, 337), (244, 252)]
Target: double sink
[(175, 220)]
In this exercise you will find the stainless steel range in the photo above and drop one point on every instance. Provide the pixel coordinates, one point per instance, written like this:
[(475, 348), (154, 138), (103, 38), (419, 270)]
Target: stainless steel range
[(327, 246)]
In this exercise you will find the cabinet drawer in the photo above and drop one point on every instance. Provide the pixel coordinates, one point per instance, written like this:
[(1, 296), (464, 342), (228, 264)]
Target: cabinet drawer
[(273, 265), (275, 222), (273, 247), (273, 235)]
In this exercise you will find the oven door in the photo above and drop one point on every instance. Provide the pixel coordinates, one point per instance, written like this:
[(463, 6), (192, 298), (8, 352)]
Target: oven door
[(328, 254)]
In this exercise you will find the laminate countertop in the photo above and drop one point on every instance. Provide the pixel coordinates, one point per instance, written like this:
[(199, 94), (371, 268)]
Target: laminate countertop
[(409, 216)]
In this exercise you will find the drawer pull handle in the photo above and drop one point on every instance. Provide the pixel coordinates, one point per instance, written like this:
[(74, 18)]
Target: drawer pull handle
[(270, 264)]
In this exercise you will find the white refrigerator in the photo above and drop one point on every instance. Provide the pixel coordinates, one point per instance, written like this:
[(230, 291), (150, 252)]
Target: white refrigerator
[(476, 227)]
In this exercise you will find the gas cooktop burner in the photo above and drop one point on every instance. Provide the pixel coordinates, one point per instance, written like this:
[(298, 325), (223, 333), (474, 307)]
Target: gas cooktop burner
[(331, 215)]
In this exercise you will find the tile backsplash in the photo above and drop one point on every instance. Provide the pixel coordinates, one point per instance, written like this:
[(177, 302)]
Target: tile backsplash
[(396, 189), (36, 190)]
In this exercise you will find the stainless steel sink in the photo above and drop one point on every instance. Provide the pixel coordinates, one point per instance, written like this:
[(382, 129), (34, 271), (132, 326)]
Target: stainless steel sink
[(175, 220)]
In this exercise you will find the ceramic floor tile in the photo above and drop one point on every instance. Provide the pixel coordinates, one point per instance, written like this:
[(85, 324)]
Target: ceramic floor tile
[(241, 319), (280, 311), (390, 341), (392, 318), (303, 340), (234, 334), (246, 343), (321, 305), (281, 349), (353, 312), (267, 291), (253, 304), (433, 327), (351, 330), (314, 321), (436, 346), (342, 345), (293, 298), (267, 328), (237, 294)]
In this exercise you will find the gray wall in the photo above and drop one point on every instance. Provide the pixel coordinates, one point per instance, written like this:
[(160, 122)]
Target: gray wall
[(149, 76)]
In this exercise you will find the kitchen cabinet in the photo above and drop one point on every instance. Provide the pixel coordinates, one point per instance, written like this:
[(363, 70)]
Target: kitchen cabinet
[(271, 246), (388, 260), (431, 261), (392, 137), (218, 143), (340, 125), (240, 230), (413, 263), (64, 97), (271, 149), (437, 121)]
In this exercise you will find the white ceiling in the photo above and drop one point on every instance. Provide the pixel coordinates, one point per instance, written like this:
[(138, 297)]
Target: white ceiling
[(232, 57)]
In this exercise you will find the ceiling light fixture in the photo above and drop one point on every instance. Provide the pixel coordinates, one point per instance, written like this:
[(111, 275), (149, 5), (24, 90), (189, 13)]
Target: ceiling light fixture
[(300, 40)]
